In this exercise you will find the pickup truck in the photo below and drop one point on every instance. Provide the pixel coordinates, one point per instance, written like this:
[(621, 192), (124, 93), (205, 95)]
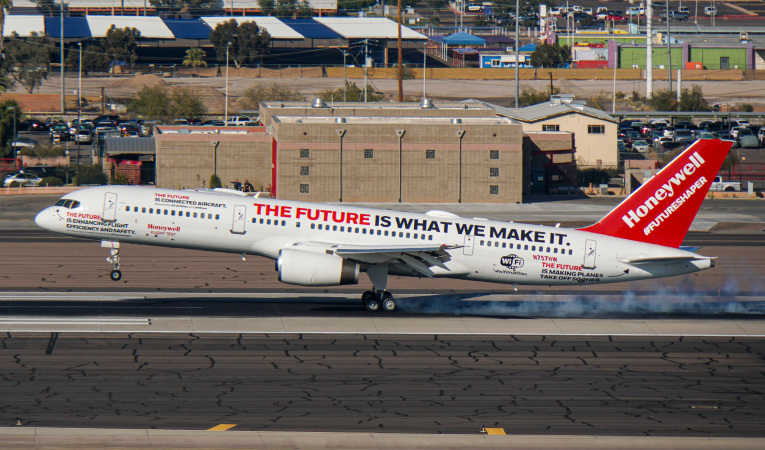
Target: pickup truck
[(728, 186)]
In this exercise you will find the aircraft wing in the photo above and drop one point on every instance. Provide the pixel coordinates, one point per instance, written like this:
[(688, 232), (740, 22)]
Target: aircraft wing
[(417, 257)]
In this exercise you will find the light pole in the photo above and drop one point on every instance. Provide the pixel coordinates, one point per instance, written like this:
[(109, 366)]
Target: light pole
[(225, 108), (79, 109), (61, 50), (13, 141)]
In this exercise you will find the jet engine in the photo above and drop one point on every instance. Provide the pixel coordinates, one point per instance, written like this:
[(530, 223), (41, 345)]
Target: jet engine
[(308, 268)]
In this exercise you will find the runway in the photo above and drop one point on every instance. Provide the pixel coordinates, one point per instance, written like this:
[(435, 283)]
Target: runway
[(404, 384), (188, 340)]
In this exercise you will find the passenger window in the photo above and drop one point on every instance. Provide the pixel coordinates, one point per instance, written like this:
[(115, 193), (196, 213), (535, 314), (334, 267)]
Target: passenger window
[(167, 212), (151, 210), (217, 216), (321, 226), (172, 212), (195, 215), (127, 209), (135, 209), (342, 228), (481, 243), (297, 224), (363, 231), (422, 237), (284, 222), (143, 210), (496, 244), (400, 234), (511, 246), (407, 235), (526, 247), (188, 214), (430, 238), (504, 245), (379, 232), (533, 248), (334, 227), (357, 230), (261, 221), (555, 250), (415, 235), (253, 220)]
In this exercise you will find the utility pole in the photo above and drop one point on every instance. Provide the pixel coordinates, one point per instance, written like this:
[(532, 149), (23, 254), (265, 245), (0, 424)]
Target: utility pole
[(517, 53), (648, 48), (669, 53), (61, 50), (400, 59)]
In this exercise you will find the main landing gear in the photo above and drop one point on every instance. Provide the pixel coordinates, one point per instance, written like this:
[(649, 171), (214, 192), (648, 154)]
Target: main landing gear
[(114, 258), (378, 298)]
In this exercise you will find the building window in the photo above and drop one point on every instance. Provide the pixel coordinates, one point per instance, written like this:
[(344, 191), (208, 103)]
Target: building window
[(304, 189), (493, 154), (551, 127), (305, 170), (496, 62), (493, 171), (369, 153), (494, 189), (430, 154), (305, 153), (596, 129)]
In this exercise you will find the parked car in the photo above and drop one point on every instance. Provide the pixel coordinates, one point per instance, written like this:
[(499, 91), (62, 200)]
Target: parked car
[(641, 146), (734, 132), (710, 10), (747, 139), (84, 134), (761, 135), (239, 121), (672, 146), (674, 15), (24, 179), (24, 142), (59, 132), (724, 135), (685, 136), (32, 125), (706, 135)]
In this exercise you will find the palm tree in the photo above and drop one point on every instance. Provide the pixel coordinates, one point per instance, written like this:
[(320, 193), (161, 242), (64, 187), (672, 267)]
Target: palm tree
[(5, 6), (194, 58)]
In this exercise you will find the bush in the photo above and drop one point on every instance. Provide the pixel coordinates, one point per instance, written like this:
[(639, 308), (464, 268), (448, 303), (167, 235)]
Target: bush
[(594, 176), (215, 181), (52, 181), (119, 178)]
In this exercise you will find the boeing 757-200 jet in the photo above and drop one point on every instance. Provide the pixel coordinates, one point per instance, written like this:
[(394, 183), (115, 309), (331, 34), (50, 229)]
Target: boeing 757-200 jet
[(317, 244)]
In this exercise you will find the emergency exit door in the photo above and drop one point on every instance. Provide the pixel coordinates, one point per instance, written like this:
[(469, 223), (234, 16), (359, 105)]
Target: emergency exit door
[(237, 227), (467, 249), (590, 250), (110, 207)]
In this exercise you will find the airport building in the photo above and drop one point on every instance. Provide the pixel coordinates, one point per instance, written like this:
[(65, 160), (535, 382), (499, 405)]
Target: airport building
[(387, 159)]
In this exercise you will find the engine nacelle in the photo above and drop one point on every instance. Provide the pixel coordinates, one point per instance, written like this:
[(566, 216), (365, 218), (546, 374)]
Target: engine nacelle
[(315, 269)]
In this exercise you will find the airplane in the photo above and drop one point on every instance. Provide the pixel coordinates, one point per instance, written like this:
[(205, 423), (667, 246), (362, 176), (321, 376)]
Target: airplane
[(316, 244)]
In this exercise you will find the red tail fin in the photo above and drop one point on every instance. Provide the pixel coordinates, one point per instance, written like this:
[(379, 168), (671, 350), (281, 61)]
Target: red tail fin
[(662, 209)]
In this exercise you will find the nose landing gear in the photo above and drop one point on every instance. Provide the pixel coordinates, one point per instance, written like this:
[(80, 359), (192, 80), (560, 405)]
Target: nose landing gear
[(114, 258)]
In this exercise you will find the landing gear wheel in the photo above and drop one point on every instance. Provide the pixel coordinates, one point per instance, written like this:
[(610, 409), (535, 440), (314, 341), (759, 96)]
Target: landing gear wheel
[(115, 275), (388, 302), (371, 302)]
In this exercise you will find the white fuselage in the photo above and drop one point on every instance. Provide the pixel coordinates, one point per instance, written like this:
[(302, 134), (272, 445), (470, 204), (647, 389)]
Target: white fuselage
[(485, 250)]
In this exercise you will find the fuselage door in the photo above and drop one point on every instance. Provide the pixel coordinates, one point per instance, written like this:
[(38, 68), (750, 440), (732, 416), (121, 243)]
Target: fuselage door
[(237, 227), (590, 250), (467, 249), (110, 207)]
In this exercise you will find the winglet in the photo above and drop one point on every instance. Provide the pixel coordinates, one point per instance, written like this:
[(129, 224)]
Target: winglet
[(662, 209)]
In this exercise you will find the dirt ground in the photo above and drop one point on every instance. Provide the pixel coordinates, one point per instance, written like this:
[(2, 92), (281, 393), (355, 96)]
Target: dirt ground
[(496, 91)]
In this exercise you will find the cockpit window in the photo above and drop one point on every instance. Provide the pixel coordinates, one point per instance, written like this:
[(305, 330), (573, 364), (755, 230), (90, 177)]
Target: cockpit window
[(69, 204)]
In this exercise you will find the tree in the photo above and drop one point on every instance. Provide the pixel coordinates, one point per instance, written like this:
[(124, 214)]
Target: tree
[(185, 6), (530, 96), (5, 6), (550, 55), (151, 102), (267, 7), (7, 118), (285, 8), (121, 44), (155, 103), (27, 59), (261, 93), (304, 9), (93, 58), (183, 103), (247, 41), (353, 93), (690, 100), (195, 58)]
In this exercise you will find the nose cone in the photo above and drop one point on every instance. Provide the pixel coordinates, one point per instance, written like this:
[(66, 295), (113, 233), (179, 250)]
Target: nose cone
[(42, 219)]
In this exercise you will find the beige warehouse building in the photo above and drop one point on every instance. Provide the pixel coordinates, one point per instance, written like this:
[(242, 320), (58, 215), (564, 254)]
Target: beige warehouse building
[(392, 159)]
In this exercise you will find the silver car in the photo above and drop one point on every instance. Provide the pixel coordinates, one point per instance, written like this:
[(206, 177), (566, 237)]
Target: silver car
[(24, 179)]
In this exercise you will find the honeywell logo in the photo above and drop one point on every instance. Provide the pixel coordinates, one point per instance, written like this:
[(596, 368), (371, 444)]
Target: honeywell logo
[(667, 190)]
